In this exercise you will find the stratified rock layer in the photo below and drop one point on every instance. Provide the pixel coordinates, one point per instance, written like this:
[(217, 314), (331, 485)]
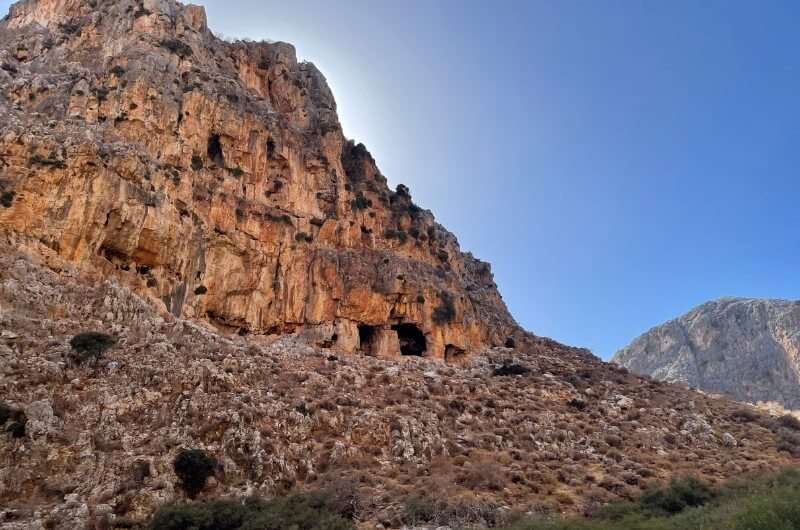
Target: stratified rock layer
[(214, 177), (747, 348)]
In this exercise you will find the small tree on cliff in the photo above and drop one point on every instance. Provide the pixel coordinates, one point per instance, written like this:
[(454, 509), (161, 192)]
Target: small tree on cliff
[(90, 346)]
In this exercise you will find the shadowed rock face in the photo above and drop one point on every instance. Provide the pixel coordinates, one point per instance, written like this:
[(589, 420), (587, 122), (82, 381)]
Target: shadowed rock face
[(214, 178), (747, 348)]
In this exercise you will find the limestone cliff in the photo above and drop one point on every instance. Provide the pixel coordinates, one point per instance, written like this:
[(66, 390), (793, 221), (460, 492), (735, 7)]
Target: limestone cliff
[(214, 177), (747, 348)]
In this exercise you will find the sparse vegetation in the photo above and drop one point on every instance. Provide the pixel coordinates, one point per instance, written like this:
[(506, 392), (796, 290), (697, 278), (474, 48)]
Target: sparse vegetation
[(400, 235), (360, 203), (90, 346), (302, 236), (510, 368), (762, 503), (309, 511), (197, 163), (236, 171), (178, 47), (70, 28), (445, 312), (13, 419), (200, 289), (424, 509), (7, 198), (51, 160), (193, 467), (117, 71)]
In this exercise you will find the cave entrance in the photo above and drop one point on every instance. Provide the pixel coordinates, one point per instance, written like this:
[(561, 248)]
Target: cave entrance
[(215, 150), (366, 339), (412, 340), (454, 354)]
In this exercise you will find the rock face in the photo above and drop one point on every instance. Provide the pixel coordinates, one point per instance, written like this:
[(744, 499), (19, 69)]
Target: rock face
[(214, 178), (747, 348)]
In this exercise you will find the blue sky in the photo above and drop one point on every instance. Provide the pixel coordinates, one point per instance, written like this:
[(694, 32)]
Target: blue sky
[(617, 162)]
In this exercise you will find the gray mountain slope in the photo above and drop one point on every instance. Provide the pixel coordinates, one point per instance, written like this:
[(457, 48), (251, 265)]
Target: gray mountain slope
[(747, 348)]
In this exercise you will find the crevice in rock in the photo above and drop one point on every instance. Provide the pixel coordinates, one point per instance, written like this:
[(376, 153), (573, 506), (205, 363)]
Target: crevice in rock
[(214, 150)]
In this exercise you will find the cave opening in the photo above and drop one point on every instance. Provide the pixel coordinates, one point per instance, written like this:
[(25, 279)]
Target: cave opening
[(412, 340), (366, 338), (215, 153), (454, 354)]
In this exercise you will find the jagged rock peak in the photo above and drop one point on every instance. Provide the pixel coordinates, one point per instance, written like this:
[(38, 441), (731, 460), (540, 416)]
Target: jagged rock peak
[(745, 347)]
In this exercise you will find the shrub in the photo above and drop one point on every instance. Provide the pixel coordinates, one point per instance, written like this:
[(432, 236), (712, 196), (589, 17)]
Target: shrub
[(360, 203), (682, 493), (15, 418), (446, 310), (744, 415), (117, 71), (483, 474), (236, 171), (101, 93), (178, 47), (577, 403), (510, 368), (7, 198), (200, 289), (310, 511), (426, 510), (47, 161), (302, 236), (197, 163), (391, 233), (789, 422), (70, 28), (90, 345), (193, 467)]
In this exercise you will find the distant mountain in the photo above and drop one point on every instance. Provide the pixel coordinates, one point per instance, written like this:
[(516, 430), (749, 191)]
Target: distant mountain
[(747, 348)]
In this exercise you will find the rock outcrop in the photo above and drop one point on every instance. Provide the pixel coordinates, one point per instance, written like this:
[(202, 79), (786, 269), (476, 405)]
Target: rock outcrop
[(214, 178), (746, 348)]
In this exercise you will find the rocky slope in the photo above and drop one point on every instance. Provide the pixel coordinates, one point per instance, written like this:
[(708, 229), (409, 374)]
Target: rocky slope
[(747, 348), (197, 200), (278, 414), (214, 178)]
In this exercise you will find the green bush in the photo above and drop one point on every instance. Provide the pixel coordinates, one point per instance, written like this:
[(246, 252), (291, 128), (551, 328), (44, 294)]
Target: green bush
[(90, 345), (682, 493), (360, 203), (193, 467), (311, 511), (197, 163)]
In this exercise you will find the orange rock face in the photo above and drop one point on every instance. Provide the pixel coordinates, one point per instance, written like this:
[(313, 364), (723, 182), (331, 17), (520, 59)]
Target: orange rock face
[(214, 177)]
